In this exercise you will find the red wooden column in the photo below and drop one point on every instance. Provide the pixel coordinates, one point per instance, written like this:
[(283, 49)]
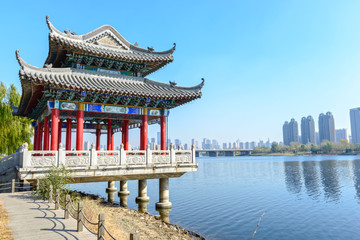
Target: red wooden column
[(60, 128), (68, 134), (98, 134), (35, 136), (46, 133), (40, 137), (144, 132), (163, 139), (125, 134), (54, 129), (79, 127), (109, 135)]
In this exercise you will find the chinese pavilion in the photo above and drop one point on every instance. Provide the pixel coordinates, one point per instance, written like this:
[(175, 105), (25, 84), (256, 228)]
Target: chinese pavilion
[(97, 83)]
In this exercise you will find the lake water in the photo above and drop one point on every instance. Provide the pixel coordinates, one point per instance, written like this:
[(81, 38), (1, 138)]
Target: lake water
[(312, 197)]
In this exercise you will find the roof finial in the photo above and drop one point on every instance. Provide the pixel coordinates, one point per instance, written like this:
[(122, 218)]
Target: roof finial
[(151, 49), (174, 46), (202, 83), (18, 58)]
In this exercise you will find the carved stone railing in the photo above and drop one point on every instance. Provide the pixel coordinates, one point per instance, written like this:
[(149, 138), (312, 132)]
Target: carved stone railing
[(23, 158), (161, 157), (135, 157), (183, 156)]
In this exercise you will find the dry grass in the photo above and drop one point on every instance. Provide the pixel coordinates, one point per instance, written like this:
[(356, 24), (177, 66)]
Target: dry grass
[(4, 229), (122, 221)]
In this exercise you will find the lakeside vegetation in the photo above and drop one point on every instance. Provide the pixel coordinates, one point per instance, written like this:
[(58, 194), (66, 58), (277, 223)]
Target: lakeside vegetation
[(15, 130), (339, 148)]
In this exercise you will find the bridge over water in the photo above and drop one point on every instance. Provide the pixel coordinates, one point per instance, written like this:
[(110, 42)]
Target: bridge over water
[(222, 152)]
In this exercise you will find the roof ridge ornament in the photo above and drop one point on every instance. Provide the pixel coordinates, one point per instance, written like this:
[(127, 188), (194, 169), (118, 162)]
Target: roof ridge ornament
[(19, 59), (151, 49), (172, 84)]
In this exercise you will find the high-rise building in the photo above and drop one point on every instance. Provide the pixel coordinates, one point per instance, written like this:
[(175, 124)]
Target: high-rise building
[(341, 134), (224, 145), (308, 130), (158, 138), (194, 143), (290, 132), (355, 125), (326, 127), (317, 138)]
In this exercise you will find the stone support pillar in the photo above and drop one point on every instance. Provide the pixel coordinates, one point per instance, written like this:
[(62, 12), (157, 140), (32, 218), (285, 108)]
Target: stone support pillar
[(164, 205), (123, 194), (54, 129), (98, 134), (111, 190), (80, 127), (68, 134), (142, 200), (46, 133)]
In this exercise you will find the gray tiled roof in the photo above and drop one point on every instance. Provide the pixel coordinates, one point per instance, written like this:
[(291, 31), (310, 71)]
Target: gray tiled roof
[(92, 81), (124, 50)]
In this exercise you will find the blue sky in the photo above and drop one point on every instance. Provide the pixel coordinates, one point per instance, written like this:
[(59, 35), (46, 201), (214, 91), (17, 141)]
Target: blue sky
[(264, 62)]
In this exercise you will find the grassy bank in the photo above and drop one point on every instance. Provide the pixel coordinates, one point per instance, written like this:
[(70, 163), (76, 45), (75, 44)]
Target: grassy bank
[(5, 231)]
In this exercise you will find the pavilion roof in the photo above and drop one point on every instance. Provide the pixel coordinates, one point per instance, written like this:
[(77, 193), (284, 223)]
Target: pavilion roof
[(106, 42), (98, 83)]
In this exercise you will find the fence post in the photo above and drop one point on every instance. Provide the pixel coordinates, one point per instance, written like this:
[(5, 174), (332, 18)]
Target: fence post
[(13, 186), (101, 230), (67, 205), (51, 194), (57, 199), (134, 236), (80, 217)]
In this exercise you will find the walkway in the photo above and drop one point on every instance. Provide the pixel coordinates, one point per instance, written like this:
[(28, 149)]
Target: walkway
[(35, 219)]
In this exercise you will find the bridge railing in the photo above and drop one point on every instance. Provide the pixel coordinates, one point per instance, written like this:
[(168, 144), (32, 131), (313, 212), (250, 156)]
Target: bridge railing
[(88, 158)]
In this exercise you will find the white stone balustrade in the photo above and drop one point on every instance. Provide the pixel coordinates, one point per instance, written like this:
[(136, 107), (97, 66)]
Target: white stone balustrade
[(88, 158)]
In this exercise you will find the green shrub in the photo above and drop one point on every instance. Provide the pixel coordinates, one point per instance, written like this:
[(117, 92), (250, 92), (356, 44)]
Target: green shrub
[(59, 178)]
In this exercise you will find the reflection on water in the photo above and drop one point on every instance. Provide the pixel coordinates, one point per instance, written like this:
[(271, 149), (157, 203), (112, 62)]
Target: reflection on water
[(311, 178), (356, 171), (311, 170), (329, 180), (293, 176)]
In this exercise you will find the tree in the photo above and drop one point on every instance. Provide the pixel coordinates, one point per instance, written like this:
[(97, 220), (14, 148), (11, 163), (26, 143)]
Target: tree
[(15, 130), (327, 147), (275, 147)]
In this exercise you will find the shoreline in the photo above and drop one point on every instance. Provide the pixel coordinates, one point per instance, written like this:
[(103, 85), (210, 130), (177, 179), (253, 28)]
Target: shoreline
[(144, 222)]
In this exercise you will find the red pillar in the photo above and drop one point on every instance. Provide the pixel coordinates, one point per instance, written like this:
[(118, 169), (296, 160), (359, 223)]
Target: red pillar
[(40, 137), (163, 139), (98, 134), (79, 129), (68, 134), (112, 140), (60, 128), (125, 134), (46, 133), (54, 129), (144, 132), (35, 137), (109, 135)]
